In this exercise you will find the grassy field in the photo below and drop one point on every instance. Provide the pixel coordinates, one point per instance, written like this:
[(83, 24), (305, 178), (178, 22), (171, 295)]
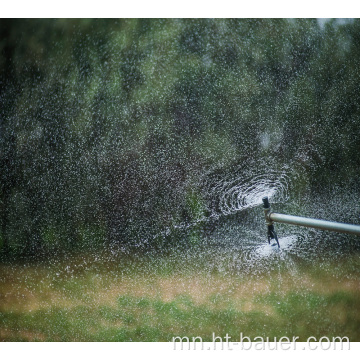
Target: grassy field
[(92, 299)]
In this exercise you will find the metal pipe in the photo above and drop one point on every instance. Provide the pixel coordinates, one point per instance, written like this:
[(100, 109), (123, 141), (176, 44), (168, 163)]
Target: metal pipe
[(315, 223), (271, 217)]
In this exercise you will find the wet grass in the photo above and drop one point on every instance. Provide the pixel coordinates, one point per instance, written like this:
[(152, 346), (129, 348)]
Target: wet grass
[(90, 300)]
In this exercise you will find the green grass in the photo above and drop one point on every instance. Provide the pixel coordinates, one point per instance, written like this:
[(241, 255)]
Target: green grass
[(146, 319), (92, 303)]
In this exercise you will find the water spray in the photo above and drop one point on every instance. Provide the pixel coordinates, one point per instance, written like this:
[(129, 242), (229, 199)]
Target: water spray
[(271, 217)]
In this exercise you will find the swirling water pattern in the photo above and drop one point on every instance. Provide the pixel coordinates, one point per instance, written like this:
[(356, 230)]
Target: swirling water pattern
[(244, 189)]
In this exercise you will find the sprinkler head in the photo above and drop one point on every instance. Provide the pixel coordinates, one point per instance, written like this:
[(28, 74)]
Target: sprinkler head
[(266, 202), (271, 234)]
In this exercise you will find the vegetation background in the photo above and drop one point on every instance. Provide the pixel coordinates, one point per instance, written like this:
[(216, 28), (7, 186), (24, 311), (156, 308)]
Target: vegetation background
[(108, 128), (119, 134)]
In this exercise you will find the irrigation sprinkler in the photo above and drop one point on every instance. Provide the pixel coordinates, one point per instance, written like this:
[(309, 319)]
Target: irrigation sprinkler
[(271, 234), (271, 217)]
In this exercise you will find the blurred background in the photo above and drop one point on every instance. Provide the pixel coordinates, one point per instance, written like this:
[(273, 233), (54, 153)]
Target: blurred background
[(134, 154), (113, 131)]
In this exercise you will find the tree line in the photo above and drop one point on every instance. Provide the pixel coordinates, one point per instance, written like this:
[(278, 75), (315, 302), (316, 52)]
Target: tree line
[(108, 127)]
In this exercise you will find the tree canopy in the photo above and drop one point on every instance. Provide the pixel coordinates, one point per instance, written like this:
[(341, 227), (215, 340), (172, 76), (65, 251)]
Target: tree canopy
[(109, 128)]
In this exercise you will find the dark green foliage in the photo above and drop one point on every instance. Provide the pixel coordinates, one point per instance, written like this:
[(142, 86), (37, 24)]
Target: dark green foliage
[(107, 126)]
